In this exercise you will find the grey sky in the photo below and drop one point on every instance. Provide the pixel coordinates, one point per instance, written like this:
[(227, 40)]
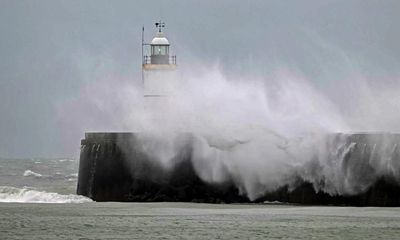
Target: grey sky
[(48, 49)]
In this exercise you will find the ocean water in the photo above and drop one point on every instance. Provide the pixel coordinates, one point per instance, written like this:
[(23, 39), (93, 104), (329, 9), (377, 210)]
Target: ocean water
[(37, 201), (39, 180)]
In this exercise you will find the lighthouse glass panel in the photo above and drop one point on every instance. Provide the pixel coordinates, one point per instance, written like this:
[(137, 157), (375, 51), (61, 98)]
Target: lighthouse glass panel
[(159, 50)]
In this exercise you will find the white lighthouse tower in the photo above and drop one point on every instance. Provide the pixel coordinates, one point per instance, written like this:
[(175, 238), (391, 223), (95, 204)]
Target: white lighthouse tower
[(159, 78)]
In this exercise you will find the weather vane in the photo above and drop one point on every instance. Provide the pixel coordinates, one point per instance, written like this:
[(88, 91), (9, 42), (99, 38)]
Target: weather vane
[(160, 25)]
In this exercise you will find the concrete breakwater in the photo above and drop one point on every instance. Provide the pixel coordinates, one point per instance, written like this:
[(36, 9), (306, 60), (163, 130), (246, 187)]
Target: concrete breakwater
[(118, 167)]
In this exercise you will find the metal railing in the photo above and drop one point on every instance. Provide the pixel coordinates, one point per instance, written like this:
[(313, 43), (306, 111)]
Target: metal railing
[(171, 60)]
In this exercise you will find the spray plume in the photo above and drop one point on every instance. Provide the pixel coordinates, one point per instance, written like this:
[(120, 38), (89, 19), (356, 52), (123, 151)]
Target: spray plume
[(261, 133)]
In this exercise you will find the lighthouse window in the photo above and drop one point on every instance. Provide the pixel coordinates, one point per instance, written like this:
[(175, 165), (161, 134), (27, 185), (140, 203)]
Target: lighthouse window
[(159, 50)]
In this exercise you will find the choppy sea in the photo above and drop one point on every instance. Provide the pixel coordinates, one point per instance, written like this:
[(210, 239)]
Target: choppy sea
[(38, 201)]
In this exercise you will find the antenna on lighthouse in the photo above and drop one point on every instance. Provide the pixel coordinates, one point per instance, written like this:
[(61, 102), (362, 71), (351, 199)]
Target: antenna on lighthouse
[(142, 54)]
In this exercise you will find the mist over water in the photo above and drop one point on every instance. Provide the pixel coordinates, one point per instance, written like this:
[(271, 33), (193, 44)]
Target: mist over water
[(261, 132)]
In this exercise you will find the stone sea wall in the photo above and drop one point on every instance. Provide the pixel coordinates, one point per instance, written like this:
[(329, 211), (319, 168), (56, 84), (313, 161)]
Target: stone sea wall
[(115, 167)]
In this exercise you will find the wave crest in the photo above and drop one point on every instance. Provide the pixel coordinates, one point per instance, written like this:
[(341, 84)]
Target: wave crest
[(29, 173), (26, 195)]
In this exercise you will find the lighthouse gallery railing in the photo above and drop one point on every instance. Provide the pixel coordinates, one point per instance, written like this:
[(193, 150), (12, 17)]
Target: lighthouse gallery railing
[(171, 60)]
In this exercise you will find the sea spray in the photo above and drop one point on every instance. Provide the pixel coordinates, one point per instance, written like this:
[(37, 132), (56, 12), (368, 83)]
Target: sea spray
[(261, 133)]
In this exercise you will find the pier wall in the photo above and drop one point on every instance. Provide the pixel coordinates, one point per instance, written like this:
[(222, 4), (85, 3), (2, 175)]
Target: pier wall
[(115, 167)]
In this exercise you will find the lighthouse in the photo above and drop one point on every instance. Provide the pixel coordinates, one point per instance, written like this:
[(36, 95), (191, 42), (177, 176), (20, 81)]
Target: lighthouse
[(158, 67)]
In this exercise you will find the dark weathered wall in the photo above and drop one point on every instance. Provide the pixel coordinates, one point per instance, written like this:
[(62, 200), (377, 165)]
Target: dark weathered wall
[(102, 173), (113, 167)]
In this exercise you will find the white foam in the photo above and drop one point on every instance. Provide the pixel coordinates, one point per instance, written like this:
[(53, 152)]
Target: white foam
[(29, 173), (72, 176), (66, 160), (26, 195), (274, 202)]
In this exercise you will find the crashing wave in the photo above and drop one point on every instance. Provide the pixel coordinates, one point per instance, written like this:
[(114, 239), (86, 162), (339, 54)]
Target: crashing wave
[(29, 173), (26, 195)]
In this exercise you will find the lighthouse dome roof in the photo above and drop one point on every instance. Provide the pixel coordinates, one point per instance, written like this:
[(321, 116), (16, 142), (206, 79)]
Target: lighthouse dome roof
[(159, 39)]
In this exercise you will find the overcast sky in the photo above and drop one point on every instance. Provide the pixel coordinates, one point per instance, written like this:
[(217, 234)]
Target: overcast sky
[(49, 49)]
